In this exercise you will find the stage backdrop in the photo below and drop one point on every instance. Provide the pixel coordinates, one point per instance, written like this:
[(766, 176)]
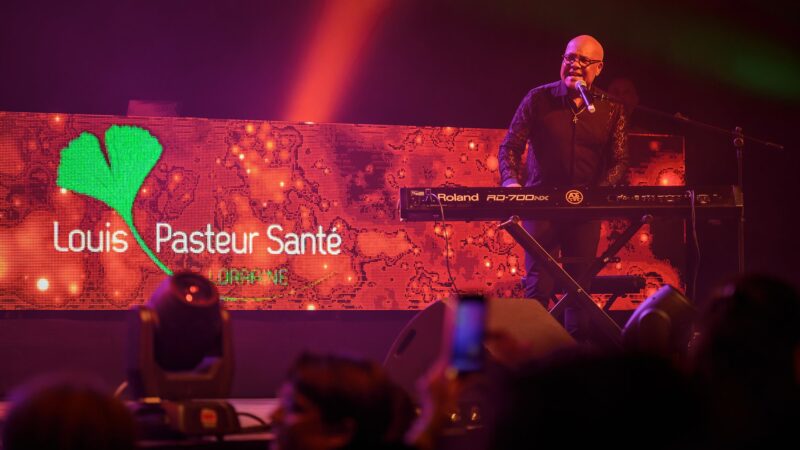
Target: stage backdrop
[(95, 210)]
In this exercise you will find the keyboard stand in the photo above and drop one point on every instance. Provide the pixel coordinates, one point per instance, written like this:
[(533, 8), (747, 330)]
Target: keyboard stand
[(597, 265), (576, 296), (612, 250)]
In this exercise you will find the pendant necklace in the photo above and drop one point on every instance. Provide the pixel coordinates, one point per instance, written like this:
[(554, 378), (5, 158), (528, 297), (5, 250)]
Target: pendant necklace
[(575, 114)]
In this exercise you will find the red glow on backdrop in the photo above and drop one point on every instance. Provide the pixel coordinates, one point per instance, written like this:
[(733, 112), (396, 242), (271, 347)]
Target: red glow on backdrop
[(341, 34), (226, 203)]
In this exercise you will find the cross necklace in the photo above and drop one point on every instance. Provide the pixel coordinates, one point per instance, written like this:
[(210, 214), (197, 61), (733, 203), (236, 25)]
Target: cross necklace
[(575, 114)]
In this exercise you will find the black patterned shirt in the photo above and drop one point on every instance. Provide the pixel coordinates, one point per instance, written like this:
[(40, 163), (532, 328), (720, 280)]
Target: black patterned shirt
[(567, 146)]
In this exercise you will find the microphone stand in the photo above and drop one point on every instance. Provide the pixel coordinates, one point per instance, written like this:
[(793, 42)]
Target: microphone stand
[(739, 139)]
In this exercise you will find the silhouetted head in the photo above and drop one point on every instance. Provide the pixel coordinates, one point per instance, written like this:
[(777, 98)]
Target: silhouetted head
[(625, 91), (60, 413), (581, 399), (334, 402), (747, 354), (750, 330)]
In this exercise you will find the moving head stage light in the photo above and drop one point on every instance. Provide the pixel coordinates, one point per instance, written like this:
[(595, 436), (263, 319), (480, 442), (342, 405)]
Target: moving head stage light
[(180, 360)]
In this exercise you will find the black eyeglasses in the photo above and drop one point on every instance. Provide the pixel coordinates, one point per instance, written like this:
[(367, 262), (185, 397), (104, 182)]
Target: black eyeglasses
[(583, 61)]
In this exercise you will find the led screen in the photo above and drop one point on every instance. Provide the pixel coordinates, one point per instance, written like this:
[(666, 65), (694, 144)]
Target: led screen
[(96, 210)]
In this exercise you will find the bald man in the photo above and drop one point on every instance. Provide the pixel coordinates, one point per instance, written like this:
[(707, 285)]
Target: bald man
[(567, 146)]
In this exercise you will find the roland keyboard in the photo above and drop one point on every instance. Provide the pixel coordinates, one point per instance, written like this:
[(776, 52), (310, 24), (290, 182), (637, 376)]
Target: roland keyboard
[(498, 203)]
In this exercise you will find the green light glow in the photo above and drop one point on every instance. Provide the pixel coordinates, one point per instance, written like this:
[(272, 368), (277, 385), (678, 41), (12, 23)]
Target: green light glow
[(691, 39)]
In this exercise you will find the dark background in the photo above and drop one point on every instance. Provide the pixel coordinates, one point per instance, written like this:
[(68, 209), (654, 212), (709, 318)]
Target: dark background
[(458, 63)]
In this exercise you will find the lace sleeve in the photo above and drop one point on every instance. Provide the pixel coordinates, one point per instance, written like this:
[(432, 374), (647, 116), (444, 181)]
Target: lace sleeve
[(619, 162), (513, 145)]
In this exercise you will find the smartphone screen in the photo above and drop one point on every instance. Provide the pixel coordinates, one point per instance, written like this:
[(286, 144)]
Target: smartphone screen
[(468, 333)]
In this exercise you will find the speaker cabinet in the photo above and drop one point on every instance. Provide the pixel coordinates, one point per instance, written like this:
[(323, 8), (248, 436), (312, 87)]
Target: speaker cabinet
[(421, 341)]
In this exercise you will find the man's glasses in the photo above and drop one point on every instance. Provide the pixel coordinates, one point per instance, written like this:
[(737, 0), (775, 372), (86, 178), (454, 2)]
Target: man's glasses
[(583, 61)]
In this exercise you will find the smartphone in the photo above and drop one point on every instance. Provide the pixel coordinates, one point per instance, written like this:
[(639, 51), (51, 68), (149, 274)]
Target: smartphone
[(469, 327)]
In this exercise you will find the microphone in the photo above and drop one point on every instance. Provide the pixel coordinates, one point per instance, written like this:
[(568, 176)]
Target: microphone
[(582, 89)]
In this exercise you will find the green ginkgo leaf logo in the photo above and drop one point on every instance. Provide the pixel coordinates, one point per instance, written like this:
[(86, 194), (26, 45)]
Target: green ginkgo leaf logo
[(132, 154)]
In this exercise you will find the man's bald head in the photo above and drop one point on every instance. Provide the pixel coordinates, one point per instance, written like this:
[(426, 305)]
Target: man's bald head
[(585, 45), (587, 53)]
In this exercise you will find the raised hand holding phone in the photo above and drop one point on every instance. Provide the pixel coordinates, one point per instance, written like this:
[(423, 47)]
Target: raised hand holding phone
[(467, 354)]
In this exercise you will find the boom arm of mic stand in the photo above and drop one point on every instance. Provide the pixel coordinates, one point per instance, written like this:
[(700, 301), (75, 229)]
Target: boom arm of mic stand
[(678, 117), (736, 133)]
